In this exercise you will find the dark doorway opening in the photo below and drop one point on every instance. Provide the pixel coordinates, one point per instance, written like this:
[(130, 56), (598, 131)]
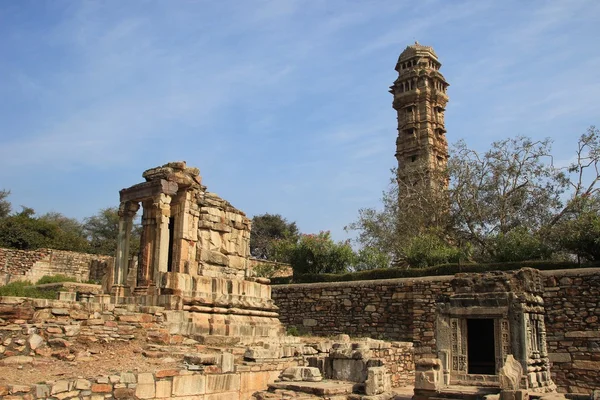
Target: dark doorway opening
[(171, 231), (480, 344)]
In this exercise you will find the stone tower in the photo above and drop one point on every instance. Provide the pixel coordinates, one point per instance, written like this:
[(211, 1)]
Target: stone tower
[(420, 100)]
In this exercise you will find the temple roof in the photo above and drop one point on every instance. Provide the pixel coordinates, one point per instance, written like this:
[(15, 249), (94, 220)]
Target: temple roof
[(417, 49)]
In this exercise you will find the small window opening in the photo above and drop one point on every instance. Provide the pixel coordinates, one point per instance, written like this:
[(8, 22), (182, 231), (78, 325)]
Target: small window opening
[(413, 158)]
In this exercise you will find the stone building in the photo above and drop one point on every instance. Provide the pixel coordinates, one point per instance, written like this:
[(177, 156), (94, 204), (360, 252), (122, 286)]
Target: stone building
[(194, 256), (420, 100)]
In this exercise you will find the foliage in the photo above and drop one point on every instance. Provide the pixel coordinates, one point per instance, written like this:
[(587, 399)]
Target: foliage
[(292, 331), (508, 203), (25, 289), (315, 254), (266, 229), (410, 208), (102, 232), (580, 235), (58, 278), (4, 204), (512, 186), (519, 245), (24, 231), (370, 258), (439, 270), (268, 270), (429, 249)]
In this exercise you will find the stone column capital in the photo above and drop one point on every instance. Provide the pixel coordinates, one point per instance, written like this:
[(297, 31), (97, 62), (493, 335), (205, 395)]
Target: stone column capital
[(127, 209)]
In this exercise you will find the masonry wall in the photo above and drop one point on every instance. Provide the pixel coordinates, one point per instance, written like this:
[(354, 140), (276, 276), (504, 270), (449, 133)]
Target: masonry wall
[(34, 328), (31, 265), (404, 309), (572, 303)]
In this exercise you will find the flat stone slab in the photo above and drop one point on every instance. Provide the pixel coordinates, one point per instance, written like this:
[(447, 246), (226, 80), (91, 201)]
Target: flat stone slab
[(325, 387)]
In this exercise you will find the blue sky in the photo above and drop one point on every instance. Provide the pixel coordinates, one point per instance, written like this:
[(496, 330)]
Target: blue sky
[(282, 104)]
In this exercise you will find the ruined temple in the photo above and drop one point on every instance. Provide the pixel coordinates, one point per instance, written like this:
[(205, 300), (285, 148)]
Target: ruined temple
[(194, 256), (420, 101)]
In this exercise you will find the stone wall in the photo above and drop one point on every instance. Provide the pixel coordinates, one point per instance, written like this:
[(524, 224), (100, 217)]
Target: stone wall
[(572, 303), (392, 309), (31, 265), (40, 328), (162, 384), (404, 309)]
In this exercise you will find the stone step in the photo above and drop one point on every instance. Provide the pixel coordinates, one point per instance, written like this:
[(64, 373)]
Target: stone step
[(456, 392), (323, 388)]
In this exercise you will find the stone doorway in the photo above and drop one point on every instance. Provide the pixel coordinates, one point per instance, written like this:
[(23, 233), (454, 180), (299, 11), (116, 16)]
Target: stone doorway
[(481, 357)]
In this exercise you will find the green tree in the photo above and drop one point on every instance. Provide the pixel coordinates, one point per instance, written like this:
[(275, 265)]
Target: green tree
[(429, 249), (370, 258), (26, 232), (580, 235), (4, 204), (509, 202), (102, 231), (511, 186), (520, 245), (315, 254), (266, 229)]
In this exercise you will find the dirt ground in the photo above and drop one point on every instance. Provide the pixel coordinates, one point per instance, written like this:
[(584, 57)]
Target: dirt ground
[(91, 361)]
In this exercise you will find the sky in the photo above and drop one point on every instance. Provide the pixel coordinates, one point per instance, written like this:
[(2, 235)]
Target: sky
[(283, 105)]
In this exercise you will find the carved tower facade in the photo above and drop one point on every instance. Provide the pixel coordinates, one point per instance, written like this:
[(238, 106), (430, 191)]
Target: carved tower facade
[(420, 101)]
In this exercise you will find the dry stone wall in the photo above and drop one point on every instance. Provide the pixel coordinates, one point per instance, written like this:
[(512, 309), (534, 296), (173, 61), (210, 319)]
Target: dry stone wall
[(404, 309), (31, 265), (392, 309), (572, 303), (163, 384)]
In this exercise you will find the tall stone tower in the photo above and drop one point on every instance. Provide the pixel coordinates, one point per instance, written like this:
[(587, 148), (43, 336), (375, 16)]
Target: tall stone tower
[(420, 100)]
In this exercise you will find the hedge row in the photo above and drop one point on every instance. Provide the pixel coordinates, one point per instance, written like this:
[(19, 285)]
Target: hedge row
[(444, 269)]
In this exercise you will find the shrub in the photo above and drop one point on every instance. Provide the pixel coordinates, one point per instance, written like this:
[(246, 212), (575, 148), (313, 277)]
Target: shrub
[(439, 270), (315, 254), (428, 249), (520, 245), (55, 279), (25, 289)]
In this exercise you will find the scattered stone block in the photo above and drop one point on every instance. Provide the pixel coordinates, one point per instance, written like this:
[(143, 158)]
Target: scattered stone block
[(35, 341), (428, 374), (297, 374), (378, 381)]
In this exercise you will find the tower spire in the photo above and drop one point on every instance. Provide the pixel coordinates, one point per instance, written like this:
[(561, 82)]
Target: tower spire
[(420, 101)]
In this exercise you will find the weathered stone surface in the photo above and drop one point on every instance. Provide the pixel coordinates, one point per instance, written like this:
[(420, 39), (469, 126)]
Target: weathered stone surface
[(428, 374), (60, 387), (163, 389), (219, 383), (145, 388), (510, 374), (12, 360), (35, 341), (83, 384), (378, 381), (189, 385), (307, 374), (559, 357)]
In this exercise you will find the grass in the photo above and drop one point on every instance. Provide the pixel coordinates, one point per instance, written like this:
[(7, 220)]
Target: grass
[(55, 279), (26, 289)]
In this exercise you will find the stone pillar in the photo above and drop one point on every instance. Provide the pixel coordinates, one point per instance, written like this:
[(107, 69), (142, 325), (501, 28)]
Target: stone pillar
[(162, 208), (127, 211), (147, 238)]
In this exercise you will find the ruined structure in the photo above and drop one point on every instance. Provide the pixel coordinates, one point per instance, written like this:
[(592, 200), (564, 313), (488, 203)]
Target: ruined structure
[(489, 317), (194, 256), (420, 100)]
